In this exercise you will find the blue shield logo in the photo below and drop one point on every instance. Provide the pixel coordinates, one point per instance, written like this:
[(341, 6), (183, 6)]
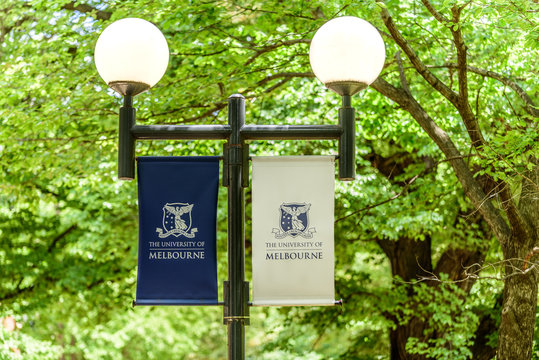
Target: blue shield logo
[(177, 221), (294, 221)]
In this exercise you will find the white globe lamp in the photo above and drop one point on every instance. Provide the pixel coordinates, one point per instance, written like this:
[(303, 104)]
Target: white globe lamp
[(131, 55), (347, 54)]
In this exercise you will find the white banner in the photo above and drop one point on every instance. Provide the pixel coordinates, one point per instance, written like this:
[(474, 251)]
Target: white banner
[(293, 215)]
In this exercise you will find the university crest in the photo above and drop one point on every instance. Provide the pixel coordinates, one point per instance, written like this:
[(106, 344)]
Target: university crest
[(177, 221), (294, 221)]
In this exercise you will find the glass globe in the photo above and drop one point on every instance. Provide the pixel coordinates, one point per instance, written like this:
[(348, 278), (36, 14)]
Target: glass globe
[(347, 54), (131, 55)]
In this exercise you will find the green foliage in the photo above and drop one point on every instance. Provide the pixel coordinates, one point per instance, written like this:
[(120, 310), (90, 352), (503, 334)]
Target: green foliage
[(68, 227), (15, 343), (445, 310)]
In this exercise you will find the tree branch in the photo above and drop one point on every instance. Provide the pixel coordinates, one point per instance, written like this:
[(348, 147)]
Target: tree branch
[(530, 107), (421, 68), (272, 47), (84, 8), (402, 75), (471, 187), (405, 188), (286, 75), (279, 84), (459, 100), (254, 9), (4, 30), (462, 72), (453, 262), (434, 12), (471, 272), (60, 237), (533, 252)]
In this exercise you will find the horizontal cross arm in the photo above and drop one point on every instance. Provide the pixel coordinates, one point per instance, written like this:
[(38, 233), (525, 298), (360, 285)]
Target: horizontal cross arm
[(291, 132), (181, 132)]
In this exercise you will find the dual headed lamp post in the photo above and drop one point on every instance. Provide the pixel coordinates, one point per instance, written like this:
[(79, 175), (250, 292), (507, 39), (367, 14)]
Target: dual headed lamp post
[(131, 55)]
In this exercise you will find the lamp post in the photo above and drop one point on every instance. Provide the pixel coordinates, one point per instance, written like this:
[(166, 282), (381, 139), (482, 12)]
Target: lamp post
[(131, 55)]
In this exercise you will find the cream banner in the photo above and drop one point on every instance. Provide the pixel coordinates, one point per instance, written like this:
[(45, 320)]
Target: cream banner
[(293, 206)]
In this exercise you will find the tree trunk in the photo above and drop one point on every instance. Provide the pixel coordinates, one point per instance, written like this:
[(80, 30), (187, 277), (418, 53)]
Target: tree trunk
[(520, 291), (518, 317), (481, 350), (409, 259), (400, 335)]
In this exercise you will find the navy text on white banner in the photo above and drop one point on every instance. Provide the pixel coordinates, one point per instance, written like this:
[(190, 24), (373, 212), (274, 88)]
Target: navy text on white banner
[(177, 262), (293, 220)]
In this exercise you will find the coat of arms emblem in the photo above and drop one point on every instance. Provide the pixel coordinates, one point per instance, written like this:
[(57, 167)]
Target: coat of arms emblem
[(294, 221), (177, 221)]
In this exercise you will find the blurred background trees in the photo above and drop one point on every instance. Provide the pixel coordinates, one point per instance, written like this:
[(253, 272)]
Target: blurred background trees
[(443, 215)]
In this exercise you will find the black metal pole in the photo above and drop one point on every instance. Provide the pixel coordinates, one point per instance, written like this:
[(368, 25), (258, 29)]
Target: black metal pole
[(236, 301), (126, 141), (347, 141)]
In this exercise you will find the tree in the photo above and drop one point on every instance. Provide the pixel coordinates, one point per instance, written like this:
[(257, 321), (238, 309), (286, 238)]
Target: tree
[(515, 225)]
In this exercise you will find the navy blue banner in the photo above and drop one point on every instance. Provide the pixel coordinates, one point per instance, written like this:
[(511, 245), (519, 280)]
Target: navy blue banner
[(177, 261)]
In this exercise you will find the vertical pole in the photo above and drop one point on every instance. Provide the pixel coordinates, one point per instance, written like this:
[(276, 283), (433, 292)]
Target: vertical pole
[(235, 316), (347, 141), (126, 141)]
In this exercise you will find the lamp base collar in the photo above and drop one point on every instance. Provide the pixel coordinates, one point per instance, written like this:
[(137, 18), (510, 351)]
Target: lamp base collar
[(130, 88), (346, 87)]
